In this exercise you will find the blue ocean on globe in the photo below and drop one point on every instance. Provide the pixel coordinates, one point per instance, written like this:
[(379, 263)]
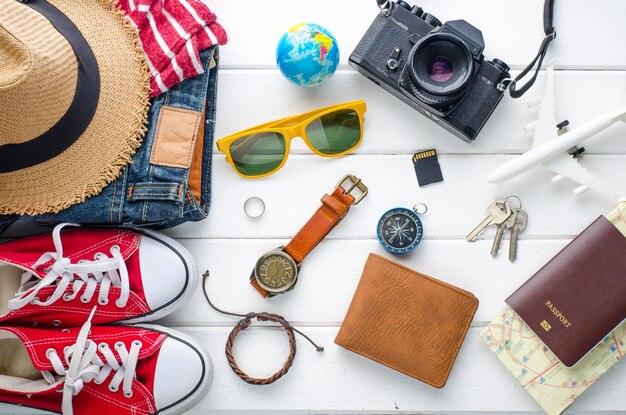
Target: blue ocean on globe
[(307, 54)]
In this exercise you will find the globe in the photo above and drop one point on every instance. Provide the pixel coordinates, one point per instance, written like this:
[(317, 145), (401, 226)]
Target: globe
[(307, 54)]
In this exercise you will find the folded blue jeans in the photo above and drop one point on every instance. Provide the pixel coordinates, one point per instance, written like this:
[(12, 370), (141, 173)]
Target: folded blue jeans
[(168, 181)]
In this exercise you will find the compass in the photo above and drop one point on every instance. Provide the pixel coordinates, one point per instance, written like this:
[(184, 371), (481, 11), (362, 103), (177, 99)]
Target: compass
[(400, 229)]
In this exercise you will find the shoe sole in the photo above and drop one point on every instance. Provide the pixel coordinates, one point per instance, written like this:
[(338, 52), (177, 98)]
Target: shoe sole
[(202, 388), (193, 280)]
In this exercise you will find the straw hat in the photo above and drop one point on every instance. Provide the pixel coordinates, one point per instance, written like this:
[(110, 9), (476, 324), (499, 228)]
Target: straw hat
[(73, 101)]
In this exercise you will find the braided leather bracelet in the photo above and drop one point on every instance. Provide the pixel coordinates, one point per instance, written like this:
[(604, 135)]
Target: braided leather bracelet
[(246, 322)]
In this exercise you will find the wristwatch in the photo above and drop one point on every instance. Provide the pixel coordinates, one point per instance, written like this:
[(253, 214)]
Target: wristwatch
[(276, 271)]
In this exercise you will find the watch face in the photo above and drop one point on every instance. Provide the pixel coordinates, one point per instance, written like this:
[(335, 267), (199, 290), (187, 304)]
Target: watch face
[(399, 230), (276, 271)]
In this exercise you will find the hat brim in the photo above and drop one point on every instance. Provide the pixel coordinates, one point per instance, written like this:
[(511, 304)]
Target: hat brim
[(116, 129)]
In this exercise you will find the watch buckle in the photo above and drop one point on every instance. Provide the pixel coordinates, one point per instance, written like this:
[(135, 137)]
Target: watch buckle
[(355, 182)]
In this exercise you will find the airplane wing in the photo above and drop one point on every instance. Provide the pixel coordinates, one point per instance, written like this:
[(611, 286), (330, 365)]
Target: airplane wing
[(566, 166), (545, 128)]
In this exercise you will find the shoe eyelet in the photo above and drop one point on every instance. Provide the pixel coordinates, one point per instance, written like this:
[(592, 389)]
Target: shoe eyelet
[(103, 302), (50, 351), (34, 324), (97, 383), (118, 345), (84, 300), (65, 330), (137, 343), (56, 323), (46, 270), (67, 297), (119, 304), (113, 388), (98, 254), (66, 349), (128, 395), (115, 247)]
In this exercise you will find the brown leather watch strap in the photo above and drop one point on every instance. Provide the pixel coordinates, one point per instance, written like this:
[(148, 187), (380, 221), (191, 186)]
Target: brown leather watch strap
[(334, 208), (257, 287)]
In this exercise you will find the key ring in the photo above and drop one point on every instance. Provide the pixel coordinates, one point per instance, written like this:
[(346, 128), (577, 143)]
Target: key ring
[(513, 197)]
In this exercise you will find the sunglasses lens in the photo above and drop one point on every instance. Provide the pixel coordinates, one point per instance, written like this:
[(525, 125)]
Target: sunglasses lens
[(336, 132), (258, 154)]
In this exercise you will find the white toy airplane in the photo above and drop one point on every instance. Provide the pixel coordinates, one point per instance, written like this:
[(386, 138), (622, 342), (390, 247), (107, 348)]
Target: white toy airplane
[(551, 145)]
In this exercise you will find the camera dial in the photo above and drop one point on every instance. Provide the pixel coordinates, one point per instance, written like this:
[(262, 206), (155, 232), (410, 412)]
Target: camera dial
[(500, 65), (404, 4), (431, 20), (416, 10)]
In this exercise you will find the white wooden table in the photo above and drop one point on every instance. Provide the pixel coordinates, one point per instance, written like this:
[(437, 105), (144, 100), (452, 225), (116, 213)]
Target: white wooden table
[(591, 58), (591, 62)]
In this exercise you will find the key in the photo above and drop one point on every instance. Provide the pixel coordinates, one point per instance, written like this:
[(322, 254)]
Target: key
[(496, 213), (508, 224), (521, 221)]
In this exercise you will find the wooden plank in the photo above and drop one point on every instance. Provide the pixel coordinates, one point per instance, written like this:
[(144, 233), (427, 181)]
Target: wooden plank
[(251, 97), (339, 381), (455, 206), (512, 30), (331, 274)]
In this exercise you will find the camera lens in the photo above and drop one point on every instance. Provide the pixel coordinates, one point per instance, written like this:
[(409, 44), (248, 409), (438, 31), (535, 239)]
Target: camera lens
[(441, 68)]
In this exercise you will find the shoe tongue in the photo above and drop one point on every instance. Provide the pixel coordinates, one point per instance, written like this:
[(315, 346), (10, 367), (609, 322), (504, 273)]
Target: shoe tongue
[(27, 285)]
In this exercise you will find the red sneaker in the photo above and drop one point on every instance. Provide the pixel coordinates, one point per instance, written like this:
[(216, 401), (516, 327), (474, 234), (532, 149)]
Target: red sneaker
[(113, 370), (56, 279)]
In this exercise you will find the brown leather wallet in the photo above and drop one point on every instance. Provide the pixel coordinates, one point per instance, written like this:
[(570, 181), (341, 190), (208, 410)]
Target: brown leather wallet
[(407, 321)]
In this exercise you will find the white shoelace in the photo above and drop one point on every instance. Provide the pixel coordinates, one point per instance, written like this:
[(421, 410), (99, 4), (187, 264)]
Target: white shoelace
[(102, 271), (84, 366)]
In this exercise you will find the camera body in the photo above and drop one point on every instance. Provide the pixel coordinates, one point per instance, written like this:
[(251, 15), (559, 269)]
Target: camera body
[(438, 69)]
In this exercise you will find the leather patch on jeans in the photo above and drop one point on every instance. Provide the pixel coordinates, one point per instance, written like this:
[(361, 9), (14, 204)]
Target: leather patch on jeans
[(175, 137)]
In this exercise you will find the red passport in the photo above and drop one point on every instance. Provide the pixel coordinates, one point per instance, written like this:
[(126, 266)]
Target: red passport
[(579, 297)]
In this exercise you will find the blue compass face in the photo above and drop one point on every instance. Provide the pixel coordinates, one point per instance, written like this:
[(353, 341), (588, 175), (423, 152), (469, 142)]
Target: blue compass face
[(399, 230)]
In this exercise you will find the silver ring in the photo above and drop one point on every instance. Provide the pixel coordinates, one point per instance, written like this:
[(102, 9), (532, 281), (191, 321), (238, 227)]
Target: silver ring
[(254, 207), (420, 208), (514, 197)]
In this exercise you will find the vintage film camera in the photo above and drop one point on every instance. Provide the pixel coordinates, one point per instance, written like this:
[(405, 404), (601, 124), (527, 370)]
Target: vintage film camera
[(438, 69)]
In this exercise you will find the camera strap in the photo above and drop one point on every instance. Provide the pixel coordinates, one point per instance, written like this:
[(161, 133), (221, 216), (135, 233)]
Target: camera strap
[(548, 28)]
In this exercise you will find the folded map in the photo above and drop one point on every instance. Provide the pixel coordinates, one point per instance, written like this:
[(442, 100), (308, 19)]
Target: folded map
[(553, 385)]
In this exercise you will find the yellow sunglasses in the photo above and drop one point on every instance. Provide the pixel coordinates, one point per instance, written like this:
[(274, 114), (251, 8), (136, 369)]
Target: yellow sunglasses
[(262, 150)]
